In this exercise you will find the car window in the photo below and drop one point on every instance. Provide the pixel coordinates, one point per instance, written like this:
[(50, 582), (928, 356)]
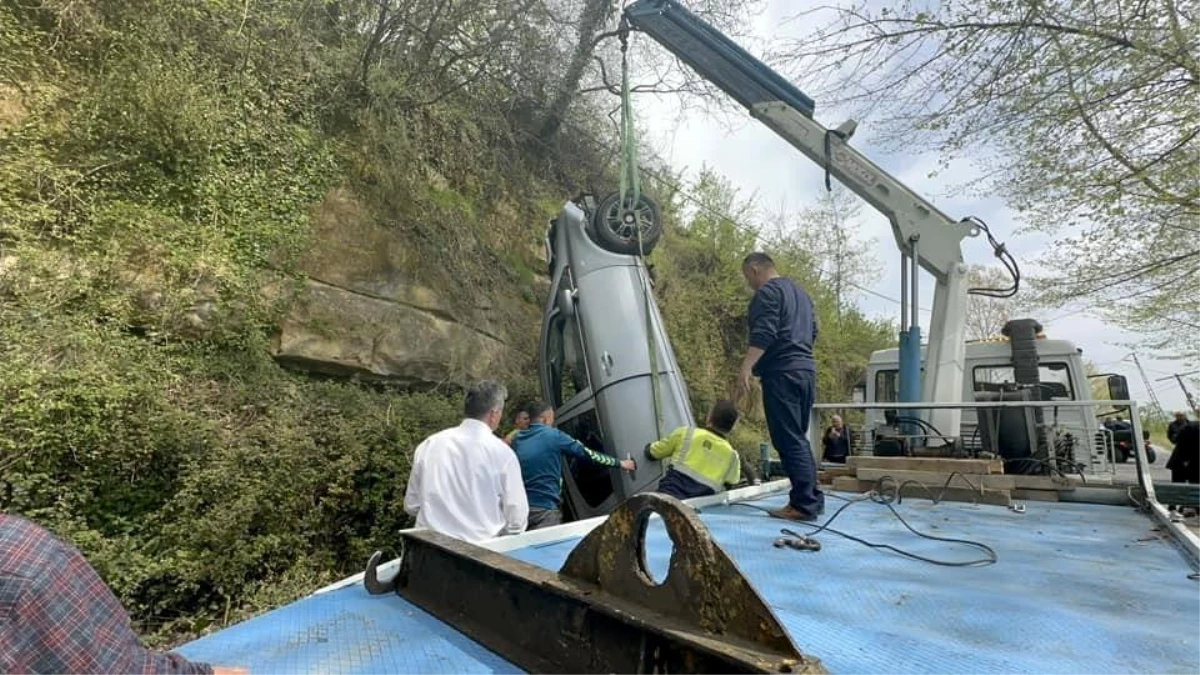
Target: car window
[(566, 361), (575, 378), (594, 482)]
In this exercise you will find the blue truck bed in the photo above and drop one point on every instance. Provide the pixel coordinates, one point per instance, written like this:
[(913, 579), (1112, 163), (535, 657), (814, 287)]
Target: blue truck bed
[(1078, 588)]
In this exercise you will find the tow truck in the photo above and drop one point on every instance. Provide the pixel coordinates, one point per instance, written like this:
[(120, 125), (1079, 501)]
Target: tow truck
[(707, 585)]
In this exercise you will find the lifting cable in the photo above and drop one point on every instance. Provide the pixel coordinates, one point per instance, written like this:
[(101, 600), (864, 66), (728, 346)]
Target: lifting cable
[(631, 187), (630, 195)]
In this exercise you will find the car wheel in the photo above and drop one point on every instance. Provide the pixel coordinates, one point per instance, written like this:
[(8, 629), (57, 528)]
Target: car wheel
[(616, 225), (1122, 455)]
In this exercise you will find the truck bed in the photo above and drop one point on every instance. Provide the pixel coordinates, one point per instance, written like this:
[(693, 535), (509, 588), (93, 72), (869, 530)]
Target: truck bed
[(1078, 588)]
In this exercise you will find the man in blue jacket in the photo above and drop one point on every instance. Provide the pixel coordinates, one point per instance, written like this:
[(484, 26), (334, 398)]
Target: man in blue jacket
[(783, 329), (540, 449)]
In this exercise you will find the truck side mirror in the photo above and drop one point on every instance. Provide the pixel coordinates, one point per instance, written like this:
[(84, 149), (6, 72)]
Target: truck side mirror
[(859, 393), (1118, 388)]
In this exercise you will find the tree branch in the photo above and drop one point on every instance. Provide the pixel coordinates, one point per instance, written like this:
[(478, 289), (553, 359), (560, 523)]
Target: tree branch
[(1112, 150)]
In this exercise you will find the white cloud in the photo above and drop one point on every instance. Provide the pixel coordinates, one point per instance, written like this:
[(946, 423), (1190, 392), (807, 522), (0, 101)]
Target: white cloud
[(763, 165)]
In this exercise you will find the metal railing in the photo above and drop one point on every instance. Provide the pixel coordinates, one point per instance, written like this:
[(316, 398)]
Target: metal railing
[(1098, 440)]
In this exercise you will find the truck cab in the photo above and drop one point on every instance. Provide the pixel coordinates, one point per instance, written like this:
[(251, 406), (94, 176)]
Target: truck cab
[(1076, 435)]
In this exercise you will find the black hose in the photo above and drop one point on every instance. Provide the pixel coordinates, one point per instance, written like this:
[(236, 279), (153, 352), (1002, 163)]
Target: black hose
[(886, 499), (1006, 259)]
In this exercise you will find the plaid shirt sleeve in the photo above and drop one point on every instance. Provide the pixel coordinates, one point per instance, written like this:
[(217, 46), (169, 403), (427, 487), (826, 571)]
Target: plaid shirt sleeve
[(58, 616)]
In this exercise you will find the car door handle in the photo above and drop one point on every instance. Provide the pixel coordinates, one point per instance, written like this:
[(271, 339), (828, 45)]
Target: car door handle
[(607, 362)]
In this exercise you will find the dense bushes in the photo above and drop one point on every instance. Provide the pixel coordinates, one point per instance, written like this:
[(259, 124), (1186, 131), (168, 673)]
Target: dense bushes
[(159, 165), (196, 493)]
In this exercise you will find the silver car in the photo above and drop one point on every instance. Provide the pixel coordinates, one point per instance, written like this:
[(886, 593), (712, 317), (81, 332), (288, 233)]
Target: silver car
[(599, 325)]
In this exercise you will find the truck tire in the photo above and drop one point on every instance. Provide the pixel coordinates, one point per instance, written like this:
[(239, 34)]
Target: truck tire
[(616, 226)]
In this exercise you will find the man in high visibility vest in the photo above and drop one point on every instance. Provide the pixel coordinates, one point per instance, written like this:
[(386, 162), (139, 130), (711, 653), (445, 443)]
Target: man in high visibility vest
[(702, 460), (520, 423)]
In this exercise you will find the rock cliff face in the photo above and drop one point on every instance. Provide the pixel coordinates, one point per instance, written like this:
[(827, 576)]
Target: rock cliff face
[(362, 310)]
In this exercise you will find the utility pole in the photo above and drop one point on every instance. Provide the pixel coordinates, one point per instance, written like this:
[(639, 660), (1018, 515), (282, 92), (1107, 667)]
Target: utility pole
[(1178, 377), (1156, 409)]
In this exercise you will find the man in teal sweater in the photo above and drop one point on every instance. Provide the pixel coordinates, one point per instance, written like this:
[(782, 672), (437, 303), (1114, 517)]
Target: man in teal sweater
[(540, 449)]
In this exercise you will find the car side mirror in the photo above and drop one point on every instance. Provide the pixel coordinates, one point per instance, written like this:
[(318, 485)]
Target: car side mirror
[(1118, 388)]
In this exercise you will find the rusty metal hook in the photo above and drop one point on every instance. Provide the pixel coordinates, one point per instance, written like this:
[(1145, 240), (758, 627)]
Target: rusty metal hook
[(371, 577)]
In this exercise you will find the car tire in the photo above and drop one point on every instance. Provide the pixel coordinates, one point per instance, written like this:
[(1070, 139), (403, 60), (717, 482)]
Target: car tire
[(614, 229), (1122, 455)]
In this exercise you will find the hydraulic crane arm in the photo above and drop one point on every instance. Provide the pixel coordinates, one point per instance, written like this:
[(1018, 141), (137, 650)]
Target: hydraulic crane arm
[(922, 232)]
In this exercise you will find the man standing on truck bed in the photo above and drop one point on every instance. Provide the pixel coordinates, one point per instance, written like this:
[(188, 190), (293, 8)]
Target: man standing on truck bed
[(702, 460), (540, 449), (783, 329)]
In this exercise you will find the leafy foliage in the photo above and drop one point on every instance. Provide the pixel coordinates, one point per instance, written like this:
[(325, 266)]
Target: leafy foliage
[(1082, 115), (160, 165)]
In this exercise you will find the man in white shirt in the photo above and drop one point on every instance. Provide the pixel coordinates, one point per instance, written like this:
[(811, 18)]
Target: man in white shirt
[(465, 482)]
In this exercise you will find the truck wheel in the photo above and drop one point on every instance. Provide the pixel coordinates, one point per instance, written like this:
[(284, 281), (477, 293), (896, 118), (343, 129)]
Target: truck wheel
[(616, 225)]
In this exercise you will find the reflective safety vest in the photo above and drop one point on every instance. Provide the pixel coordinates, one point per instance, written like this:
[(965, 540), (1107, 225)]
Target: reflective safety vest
[(700, 455)]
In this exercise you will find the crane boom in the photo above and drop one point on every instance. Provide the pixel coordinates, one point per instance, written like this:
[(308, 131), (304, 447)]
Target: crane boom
[(922, 232)]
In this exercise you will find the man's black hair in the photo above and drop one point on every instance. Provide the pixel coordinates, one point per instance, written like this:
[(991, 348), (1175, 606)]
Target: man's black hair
[(758, 259), (536, 409), (723, 416)]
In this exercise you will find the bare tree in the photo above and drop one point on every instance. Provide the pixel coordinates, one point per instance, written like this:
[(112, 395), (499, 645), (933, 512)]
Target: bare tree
[(1085, 116), (823, 235), (433, 49), (593, 17), (847, 260), (594, 57)]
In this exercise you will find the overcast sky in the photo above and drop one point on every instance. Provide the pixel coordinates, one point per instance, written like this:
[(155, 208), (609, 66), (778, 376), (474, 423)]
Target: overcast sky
[(763, 165)]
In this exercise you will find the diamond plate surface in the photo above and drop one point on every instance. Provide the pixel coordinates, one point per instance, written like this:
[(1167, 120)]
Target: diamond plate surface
[(346, 631), (1078, 589)]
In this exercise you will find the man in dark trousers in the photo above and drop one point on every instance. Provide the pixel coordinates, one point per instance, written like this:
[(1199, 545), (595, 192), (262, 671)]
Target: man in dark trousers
[(1185, 456), (783, 329)]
